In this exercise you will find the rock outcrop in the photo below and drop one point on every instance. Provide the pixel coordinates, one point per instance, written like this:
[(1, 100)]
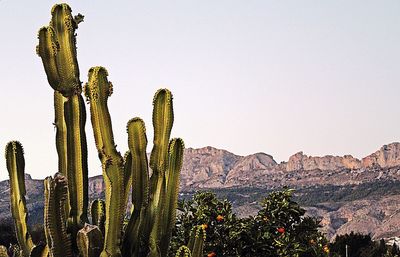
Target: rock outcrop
[(386, 157), (209, 167)]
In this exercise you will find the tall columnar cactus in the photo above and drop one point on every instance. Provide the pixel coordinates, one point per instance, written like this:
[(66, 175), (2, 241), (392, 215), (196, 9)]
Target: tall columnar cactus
[(16, 170), (97, 91), (57, 48), (154, 198)]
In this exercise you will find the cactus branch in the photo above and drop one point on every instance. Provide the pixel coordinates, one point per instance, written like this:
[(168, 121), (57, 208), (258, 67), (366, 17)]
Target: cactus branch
[(58, 240), (98, 211), (97, 91), (16, 170), (75, 118), (175, 161)]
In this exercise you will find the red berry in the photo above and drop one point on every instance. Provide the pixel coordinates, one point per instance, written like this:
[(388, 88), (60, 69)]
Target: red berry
[(281, 230)]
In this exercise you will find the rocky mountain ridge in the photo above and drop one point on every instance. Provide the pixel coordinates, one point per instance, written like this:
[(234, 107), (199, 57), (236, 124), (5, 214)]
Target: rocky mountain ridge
[(211, 168)]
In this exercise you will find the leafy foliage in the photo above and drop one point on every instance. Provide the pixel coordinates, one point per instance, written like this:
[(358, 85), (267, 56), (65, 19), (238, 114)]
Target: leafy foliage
[(279, 229)]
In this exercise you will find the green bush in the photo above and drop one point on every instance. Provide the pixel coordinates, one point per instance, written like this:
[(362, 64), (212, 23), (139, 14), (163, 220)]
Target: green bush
[(279, 229)]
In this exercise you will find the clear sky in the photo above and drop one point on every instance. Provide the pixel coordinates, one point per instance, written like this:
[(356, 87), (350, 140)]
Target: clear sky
[(247, 76)]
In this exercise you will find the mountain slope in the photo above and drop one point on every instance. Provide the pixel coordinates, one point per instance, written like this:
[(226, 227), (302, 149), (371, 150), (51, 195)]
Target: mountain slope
[(339, 189)]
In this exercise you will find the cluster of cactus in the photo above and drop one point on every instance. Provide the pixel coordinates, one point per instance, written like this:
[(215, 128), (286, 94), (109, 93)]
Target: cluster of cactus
[(67, 228)]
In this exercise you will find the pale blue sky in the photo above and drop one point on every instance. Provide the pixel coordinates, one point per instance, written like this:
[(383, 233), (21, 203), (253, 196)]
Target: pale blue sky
[(247, 76)]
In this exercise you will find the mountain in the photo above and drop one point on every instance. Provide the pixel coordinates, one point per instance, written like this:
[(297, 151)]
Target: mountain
[(339, 189)]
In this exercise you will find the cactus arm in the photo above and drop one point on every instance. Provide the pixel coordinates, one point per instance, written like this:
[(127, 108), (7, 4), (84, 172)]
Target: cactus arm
[(90, 241), (15, 167), (196, 241), (175, 161), (137, 142), (127, 175), (3, 251), (61, 138), (97, 91), (75, 118), (64, 26), (48, 49), (58, 240), (163, 118), (183, 251), (98, 210)]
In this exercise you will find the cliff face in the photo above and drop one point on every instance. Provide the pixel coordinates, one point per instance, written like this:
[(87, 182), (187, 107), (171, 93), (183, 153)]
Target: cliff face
[(213, 168), (209, 167), (386, 157)]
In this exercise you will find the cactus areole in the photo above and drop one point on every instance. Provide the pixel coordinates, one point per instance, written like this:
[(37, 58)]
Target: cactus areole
[(66, 220)]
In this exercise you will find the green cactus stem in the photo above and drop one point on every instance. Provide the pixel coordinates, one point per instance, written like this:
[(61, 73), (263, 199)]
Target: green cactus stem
[(163, 118), (183, 251), (75, 118), (61, 138), (90, 241), (57, 48), (97, 91), (196, 240), (16, 166), (55, 192), (175, 161), (137, 142), (98, 211)]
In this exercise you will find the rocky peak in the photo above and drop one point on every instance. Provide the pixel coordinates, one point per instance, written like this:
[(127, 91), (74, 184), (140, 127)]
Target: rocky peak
[(300, 161), (387, 156)]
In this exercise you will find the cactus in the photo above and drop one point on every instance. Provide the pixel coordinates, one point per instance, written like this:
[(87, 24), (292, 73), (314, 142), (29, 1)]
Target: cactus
[(58, 240), (97, 91), (183, 251), (16, 170), (154, 199), (57, 49), (90, 241), (98, 211), (196, 240)]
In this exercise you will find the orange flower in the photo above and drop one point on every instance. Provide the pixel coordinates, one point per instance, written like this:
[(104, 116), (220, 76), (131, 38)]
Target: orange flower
[(326, 249), (204, 226), (281, 230), (220, 218), (212, 254)]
